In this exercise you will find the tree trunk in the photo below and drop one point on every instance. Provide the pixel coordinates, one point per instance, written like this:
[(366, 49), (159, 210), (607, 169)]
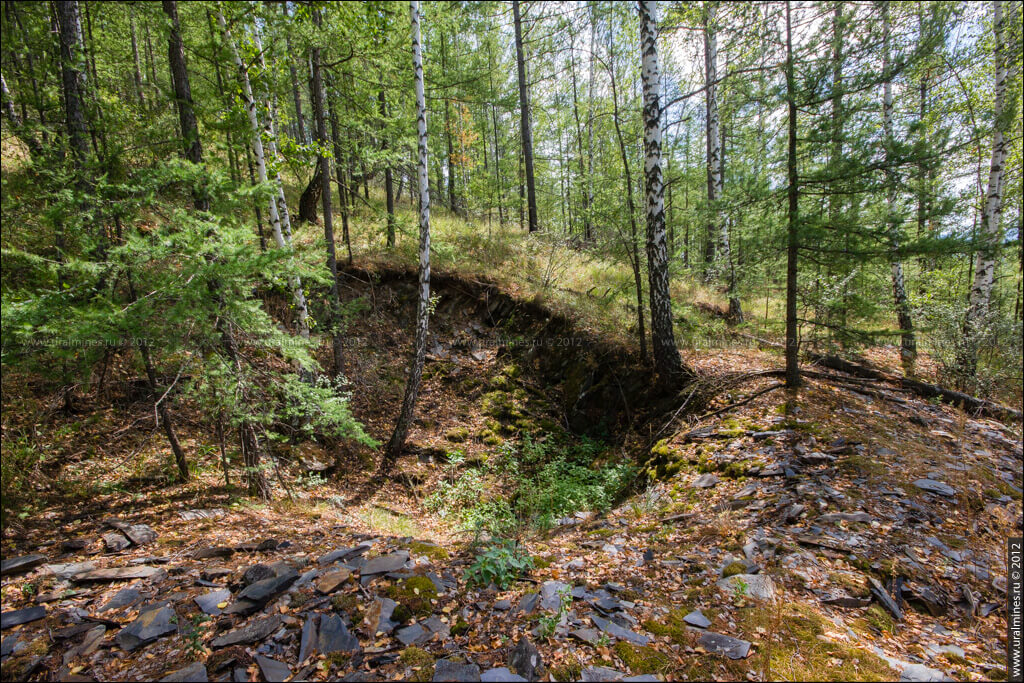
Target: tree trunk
[(412, 386), (389, 188), (193, 151), (317, 96), (310, 198), (792, 227), (666, 356), (135, 62), (339, 173), (72, 79), (249, 102), (908, 343), (631, 246), (524, 121), (991, 230), (713, 141)]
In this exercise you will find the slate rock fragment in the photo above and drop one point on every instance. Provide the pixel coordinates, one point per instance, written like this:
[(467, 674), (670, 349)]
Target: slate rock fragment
[(448, 670), (193, 673), (146, 628), (19, 565)]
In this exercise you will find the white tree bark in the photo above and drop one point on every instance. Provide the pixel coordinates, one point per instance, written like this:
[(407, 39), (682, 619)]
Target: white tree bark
[(666, 355), (281, 237), (991, 232), (412, 386)]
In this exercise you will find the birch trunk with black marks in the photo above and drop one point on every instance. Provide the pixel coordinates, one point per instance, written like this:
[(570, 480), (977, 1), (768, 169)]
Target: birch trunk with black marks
[(72, 79), (666, 356), (991, 230), (412, 386), (260, 158), (908, 342)]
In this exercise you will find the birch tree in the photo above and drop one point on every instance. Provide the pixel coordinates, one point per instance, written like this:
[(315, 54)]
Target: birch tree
[(666, 356), (412, 386), (991, 230), (259, 156)]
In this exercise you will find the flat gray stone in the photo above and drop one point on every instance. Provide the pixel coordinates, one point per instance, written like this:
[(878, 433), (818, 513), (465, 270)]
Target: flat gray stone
[(528, 602), (501, 675), (385, 563), (412, 635), (705, 481), (882, 595), (121, 599), (756, 586), (146, 628), (195, 672), (447, 670), (21, 616), (697, 618), (733, 648), (253, 632), (550, 594), (919, 673), (70, 570), (115, 541), (18, 565), (932, 486), (344, 553), (335, 636), (273, 671), (208, 601), (600, 674), (378, 617), (140, 534), (307, 642), (121, 574), (254, 596), (525, 660), (591, 636), (613, 629)]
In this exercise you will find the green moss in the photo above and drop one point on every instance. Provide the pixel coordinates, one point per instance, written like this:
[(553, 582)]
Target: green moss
[(642, 660), (457, 434), (671, 625), (567, 672), (799, 650), (541, 562), (420, 661), (855, 586), (877, 618), (338, 659), (415, 593), (345, 602), (500, 405), (460, 627), (431, 550), (734, 568)]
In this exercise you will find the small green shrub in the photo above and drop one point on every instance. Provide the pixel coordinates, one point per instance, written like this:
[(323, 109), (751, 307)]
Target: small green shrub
[(501, 564)]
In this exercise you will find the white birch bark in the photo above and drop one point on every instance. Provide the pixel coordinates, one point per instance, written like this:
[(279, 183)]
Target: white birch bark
[(277, 220), (395, 445), (666, 355), (991, 232)]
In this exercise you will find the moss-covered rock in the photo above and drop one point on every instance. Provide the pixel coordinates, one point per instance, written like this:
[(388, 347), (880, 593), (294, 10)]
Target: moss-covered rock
[(420, 661), (734, 568), (415, 594), (460, 627), (431, 550), (642, 659), (457, 434)]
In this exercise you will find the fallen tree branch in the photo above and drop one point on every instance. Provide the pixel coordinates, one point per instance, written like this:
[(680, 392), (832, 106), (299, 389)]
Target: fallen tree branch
[(748, 399), (965, 401)]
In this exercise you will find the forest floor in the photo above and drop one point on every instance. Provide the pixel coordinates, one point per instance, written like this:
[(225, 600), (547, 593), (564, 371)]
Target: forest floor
[(828, 534)]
